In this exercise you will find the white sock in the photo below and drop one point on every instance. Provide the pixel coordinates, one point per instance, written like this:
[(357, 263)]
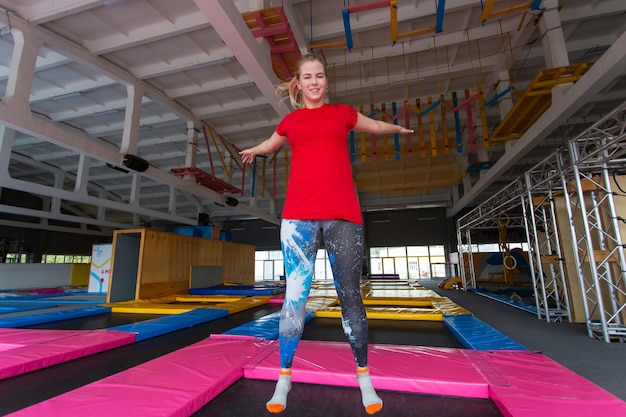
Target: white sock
[(371, 401), (278, 402)]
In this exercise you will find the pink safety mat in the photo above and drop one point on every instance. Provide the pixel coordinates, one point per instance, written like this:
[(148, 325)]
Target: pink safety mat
[(276, 299), (520, 383), (537, 386), (23, 350), (175, 385), (437, 371)]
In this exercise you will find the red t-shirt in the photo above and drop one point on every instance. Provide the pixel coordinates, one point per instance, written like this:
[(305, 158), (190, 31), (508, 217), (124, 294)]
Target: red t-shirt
[(320, 177)]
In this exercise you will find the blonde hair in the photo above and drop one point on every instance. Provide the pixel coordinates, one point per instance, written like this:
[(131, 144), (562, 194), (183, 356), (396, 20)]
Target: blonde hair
[(289, 89)]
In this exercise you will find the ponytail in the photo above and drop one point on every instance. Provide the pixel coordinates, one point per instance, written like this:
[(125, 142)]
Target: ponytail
[(289, 89)]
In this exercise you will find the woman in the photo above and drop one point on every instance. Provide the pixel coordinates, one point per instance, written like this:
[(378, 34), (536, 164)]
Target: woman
[(321, 202)]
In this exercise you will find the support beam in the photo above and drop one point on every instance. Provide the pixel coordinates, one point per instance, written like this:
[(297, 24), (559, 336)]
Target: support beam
[(253, 56), (15, 114)]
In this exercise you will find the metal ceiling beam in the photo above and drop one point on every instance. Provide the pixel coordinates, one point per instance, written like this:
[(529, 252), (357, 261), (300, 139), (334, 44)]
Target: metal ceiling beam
[(254, 57), (16, 114)]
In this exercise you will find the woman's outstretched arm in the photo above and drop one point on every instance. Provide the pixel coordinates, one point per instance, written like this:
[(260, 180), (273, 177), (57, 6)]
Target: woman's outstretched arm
[(269, 145), (369, 125)]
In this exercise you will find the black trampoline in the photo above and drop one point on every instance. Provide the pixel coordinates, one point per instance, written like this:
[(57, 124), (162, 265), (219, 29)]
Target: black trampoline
[(247, 398)]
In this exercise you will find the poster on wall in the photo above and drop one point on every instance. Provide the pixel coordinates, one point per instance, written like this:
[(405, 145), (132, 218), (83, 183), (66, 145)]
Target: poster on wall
[(100, 268)]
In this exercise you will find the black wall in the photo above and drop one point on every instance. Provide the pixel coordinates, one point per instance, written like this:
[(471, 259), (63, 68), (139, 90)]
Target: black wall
[(259, 233), (39, 242), (389, 228), (408, 228)]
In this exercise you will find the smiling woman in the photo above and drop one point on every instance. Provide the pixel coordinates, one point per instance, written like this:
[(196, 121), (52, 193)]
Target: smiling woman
[(321, 203)]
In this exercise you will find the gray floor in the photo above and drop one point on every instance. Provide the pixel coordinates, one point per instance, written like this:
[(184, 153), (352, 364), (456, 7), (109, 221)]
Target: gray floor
[(602, 363)]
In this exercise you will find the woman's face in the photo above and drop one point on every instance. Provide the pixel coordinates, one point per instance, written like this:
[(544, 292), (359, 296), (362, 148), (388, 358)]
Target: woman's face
[(313, 83)]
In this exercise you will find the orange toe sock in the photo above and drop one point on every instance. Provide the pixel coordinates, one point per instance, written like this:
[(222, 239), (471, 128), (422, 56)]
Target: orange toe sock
[(371, 400), (278, 402)]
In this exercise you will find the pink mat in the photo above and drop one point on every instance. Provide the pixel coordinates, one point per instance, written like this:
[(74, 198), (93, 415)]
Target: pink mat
[(437, 371), (537, 384), (23, 350), (277, 299), (175, 385), (520, 383)]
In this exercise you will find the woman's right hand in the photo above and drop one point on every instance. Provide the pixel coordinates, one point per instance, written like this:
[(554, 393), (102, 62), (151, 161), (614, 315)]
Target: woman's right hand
[(247, 156)]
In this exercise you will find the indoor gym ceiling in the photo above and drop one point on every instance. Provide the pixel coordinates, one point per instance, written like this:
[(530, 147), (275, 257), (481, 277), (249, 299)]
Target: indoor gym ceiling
[(85, 82)]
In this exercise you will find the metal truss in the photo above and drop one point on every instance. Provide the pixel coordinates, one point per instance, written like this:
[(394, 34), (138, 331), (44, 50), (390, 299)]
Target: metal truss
[(584, 172), (546, 258), (466, 259), (489, 211), (486, 216), (600, 257)]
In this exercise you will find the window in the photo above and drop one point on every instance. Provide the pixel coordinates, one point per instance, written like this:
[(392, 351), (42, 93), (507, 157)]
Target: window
[(65, 259), (16, 258), (269, 266), (409, 262)]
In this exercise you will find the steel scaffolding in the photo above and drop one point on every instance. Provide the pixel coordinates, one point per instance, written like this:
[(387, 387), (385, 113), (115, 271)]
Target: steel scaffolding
[(585, 173), (543, 182), (597, 156), (488, 215)]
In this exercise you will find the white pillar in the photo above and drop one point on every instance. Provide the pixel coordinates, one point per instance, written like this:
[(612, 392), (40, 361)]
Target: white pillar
[(505, 104), (22, 69), (191, 152), (6, 144), (130, 135), (552, 37)]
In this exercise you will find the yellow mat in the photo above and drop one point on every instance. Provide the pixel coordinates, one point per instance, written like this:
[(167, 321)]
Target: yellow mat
[(208, 298), (173, 305), (388, 313), (394, 301)]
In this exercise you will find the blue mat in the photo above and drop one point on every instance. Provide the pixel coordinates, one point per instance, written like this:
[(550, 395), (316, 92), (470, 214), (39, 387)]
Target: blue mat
[(247, 290), (24, 294), (52, 316), (6, 308), (514, 303), (167, 324), (476, 334), (55, 300), (266, 327)]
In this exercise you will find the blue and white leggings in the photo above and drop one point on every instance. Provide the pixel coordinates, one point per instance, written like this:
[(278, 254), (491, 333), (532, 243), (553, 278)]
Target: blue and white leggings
[(300, 240)]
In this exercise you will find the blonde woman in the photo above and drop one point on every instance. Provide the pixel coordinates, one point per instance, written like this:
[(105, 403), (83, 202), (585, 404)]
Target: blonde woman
[(321, 202)]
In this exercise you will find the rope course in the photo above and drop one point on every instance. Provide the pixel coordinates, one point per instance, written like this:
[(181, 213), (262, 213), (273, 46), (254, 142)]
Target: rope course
[(407, 114), (442, 103), (511, 88), (457, 118), (481, 101), (440, 137), (209, 180), (347, 10), (489, 12)]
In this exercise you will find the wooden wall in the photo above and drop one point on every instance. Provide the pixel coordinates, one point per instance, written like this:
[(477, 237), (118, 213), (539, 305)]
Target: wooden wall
[(164, 262)]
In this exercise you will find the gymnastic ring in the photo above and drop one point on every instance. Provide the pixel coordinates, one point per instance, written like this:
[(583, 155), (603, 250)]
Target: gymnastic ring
[(509, 267), (506, 217)]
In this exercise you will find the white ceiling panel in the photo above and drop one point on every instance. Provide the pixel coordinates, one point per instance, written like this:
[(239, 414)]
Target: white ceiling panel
[(149, 77)]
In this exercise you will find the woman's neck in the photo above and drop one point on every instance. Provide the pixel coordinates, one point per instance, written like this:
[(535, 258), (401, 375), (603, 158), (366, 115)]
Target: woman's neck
[(313, 105)]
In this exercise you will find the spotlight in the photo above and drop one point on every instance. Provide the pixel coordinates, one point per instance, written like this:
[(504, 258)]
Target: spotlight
[(135, 163), (232, 201)]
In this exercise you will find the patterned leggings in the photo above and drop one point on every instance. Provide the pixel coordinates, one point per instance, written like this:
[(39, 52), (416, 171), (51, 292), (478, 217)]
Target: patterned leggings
[(300, 241)]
